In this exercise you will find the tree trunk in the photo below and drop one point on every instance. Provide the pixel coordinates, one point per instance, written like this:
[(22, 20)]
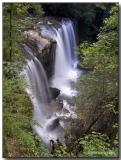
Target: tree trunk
[(10, 32)]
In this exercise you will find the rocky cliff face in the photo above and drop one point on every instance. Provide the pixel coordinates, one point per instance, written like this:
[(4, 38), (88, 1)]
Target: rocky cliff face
[(42, 47)]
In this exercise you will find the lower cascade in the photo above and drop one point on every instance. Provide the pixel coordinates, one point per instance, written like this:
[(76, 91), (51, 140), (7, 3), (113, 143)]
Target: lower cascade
[(48, 123)]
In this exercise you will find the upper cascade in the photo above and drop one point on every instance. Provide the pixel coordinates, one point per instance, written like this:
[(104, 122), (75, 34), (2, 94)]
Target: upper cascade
[(64, 35), (65, 50), (65, 53)]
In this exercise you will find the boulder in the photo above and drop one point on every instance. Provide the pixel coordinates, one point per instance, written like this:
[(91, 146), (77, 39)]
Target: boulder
[(55, 106), (55, 92), (36, 42), (43, 48), (54, 124)]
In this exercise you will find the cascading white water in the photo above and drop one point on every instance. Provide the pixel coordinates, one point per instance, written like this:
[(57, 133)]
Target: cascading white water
[(61, 63), (66, 44), (69, 42), (46, 124), (65, 59)]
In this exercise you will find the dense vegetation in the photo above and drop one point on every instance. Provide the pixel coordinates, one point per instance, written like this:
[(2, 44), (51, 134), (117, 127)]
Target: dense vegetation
[(17, 18), (19, 139), (98, 101), (96, 130), (90, 21)]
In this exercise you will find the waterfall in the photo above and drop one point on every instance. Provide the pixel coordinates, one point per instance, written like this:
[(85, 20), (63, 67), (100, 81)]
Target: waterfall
[(46, 124), (69, 40), (66, 44), (61, 62), (37, 79), (65, 59), (37, 85)]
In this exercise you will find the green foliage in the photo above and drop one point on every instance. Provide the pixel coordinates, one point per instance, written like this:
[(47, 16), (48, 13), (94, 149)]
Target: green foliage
[(112, 22), (97, 145), (98, 97), (94, 144), (16, 18), (38, 10), (11, 69), (19, 140), (98, 88), (102, 57), (97, 54), (61, 151), (17, 120)]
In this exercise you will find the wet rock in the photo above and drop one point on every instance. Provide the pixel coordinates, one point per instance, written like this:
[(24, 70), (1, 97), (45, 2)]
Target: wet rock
[(41, 47), (56, 106), (55, 92), (54, 124), (36, 40), (65, 111), (52, 146)]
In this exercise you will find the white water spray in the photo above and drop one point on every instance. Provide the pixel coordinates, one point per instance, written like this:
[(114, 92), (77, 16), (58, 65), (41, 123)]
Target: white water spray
[(38, 89), (65, 60), (47, 124)]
